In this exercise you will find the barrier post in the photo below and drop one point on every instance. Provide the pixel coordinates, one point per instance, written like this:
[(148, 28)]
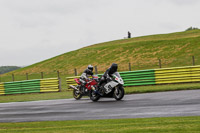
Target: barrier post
[(160, 63), (59, 84), (42, 75), (13, 77), (58, 74), (75, 72), (129, 66), (59, 81), (193, 61), (96, 70), (26, 76)]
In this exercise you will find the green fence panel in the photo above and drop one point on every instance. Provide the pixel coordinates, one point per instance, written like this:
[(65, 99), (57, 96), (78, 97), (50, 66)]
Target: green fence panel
[(140, 77), (12, 87), (136, 76), (30, 86), (138, 84), (26, 86)]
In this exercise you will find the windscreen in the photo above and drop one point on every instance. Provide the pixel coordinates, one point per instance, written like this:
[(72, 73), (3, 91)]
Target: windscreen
[(116, 74)]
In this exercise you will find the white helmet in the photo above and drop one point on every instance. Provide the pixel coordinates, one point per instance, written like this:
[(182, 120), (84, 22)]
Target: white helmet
[(90, 67)]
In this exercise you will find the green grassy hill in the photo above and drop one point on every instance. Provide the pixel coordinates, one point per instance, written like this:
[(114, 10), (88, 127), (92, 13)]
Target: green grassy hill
[(175, 49)]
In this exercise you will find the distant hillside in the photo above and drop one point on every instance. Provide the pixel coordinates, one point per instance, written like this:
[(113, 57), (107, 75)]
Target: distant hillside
[(175, 49), (5, 69)]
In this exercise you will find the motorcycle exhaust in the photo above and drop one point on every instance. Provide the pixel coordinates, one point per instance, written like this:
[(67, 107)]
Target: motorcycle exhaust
[(73, 87)]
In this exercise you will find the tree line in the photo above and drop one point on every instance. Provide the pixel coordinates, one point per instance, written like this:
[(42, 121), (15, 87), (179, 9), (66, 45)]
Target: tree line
[(5, 69)]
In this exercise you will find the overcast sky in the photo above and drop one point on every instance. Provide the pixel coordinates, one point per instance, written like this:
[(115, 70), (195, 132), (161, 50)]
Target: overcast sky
[(34, 30)]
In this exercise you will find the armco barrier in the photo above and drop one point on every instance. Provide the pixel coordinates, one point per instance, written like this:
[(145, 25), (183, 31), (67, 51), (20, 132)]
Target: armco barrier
[(49, 85), (29, 86), (186, 74), (177, 75), (131, 78), (141, 77), (18, 87)]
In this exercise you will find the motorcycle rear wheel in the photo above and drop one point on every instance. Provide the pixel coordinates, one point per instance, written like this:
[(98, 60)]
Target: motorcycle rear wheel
[(119, 92), (77, 95)]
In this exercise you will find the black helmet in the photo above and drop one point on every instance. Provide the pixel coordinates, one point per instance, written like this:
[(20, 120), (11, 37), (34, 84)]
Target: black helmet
[(113, 68), (90, 67)]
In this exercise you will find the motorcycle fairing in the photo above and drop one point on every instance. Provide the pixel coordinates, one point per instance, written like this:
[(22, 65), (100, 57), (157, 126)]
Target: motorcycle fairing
[(109, 86), (77, 81)]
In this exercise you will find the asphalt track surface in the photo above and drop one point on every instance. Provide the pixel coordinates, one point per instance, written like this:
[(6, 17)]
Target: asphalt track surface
[(161, 104)]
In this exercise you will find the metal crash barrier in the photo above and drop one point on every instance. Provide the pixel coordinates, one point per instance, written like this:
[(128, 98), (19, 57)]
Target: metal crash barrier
[(30, 86), (186, 74)]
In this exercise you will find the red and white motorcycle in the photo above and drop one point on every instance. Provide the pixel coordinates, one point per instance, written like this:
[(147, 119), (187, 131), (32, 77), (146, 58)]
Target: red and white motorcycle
[(79, 91)]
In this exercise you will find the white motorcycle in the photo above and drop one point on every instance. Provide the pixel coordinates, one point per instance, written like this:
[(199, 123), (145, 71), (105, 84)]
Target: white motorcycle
[(113, 88)]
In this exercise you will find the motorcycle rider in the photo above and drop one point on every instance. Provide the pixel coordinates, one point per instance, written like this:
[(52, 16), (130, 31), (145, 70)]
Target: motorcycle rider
[(85, 76), (108, 74)]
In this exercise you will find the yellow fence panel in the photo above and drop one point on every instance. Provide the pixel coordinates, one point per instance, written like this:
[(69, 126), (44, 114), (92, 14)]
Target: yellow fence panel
[(172, 70), (49, 85), (195, 74), (173, 76), (195, 79), (195, 68), (49, 90), (2, 89), (177, 75), (173, 81), (173, 73)]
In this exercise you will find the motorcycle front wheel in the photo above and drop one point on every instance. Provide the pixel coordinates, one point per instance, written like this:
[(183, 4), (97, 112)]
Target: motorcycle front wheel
[(119, 92), (94, 96), (76, 94)]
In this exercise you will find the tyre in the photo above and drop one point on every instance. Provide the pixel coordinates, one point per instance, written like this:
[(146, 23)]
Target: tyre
[(94, 96), (76, 94), (119, 92)]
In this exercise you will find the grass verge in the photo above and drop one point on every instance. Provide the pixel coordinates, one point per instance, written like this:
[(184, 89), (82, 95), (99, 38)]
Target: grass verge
[(36, 96), (64, 94), (139, 125)]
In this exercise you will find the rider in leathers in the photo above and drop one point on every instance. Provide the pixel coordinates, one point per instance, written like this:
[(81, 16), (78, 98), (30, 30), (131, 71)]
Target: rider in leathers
[(85, 76), (108, 74)]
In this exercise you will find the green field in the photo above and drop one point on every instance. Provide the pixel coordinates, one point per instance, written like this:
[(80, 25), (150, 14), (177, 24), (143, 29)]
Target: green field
[(64, 94), (139, 125), (175, 49)]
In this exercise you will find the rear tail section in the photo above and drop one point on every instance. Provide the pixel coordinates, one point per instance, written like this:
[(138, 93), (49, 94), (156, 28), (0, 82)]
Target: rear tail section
[(73, 87)]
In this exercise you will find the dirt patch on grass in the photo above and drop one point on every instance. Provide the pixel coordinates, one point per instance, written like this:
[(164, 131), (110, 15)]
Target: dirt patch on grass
[(182, 47)]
